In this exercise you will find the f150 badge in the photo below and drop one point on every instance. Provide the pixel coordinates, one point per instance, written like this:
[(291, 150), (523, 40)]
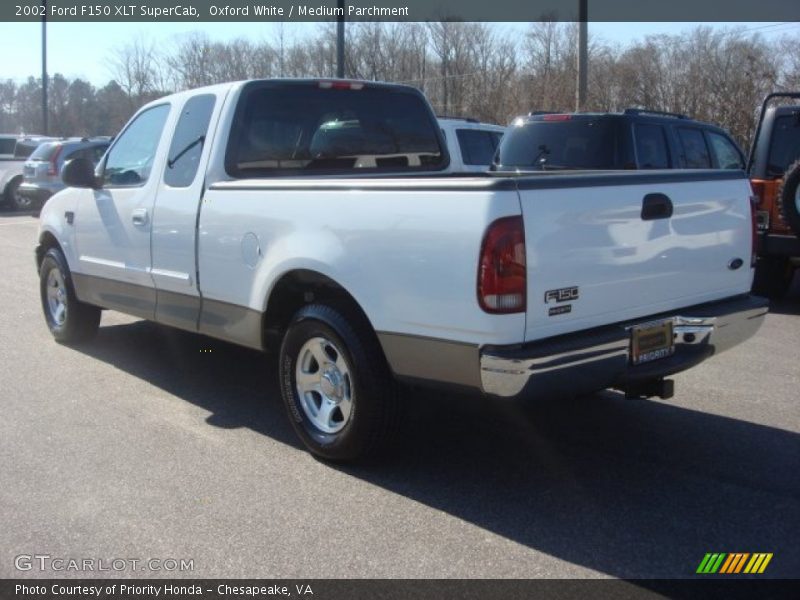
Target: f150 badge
[(567, 294)]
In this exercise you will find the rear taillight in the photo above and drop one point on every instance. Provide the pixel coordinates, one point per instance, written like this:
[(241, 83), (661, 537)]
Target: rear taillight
[(757, 186), (556, 117), (52, 169), (502, 275)]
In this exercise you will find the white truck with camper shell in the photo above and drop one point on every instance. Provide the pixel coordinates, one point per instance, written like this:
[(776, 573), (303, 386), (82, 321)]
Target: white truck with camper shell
[(314, 217)]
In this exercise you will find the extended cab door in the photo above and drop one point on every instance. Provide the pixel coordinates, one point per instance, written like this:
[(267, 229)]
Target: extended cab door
[(113, 223), (175, 217)]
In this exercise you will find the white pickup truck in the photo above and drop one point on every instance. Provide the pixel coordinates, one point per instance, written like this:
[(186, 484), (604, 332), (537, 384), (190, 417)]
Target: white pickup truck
[(313, 216)]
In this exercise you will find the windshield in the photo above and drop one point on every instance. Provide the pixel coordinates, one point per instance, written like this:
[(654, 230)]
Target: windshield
[(564, 144), (785, 145), (301, 128)]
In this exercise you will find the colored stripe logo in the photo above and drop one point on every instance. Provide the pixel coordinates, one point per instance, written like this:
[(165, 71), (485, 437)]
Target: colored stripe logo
[(732, 563)]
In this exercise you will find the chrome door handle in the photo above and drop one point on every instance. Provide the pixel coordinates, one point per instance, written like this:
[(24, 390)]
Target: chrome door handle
[(139, 216)]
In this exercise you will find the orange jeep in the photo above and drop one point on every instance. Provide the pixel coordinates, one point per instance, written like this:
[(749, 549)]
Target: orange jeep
[(774, 168)]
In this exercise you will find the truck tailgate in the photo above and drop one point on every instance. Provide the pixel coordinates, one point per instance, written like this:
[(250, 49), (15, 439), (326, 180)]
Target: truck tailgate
[(594, 257)]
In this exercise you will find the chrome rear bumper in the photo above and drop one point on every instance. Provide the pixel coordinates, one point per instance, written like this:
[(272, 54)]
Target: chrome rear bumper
[(596, 359)]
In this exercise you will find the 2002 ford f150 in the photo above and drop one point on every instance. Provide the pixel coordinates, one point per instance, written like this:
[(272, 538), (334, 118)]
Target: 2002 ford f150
[(312, 216)]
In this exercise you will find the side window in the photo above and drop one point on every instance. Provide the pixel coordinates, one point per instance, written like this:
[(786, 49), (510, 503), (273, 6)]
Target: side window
[(7, 145), (695, 151), (130, 160), (187, 143), (477, 147), (651, 146), (728, 156)]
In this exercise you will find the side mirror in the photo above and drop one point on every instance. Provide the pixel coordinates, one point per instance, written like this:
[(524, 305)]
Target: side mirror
[(79, 172)]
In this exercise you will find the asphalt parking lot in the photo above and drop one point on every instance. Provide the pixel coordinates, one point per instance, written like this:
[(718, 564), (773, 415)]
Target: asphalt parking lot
[(153, 443)]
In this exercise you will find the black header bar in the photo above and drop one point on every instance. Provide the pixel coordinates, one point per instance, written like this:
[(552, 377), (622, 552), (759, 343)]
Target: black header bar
[(398, 10)]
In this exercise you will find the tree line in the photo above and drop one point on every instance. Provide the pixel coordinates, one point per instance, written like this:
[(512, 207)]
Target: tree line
[(465, 69)]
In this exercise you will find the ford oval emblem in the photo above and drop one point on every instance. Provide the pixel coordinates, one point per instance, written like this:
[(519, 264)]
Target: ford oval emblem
[(735, 264)]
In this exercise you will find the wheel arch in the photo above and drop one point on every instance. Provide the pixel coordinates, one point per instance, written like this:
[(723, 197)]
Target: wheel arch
[(298, 287), (47, 240), (8, 179)]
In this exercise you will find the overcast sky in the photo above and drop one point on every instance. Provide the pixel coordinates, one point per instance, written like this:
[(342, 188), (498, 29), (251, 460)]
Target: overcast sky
[(82, 49)]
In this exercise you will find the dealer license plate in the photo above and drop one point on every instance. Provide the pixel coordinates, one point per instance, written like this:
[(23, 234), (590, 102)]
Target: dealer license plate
[(652, 341)]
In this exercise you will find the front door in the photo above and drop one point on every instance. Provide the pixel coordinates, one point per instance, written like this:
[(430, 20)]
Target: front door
[(114, 223)]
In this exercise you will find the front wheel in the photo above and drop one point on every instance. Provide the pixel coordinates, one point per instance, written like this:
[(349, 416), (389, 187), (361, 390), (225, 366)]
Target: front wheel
[(68, 319), (337, 388)]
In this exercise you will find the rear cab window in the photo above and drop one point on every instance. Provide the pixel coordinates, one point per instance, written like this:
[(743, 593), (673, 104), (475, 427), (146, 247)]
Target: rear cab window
[(784, 146), (282, 128)]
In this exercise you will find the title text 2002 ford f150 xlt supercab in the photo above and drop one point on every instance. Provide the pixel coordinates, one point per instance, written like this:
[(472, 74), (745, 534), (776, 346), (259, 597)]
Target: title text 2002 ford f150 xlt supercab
[(312, 216)]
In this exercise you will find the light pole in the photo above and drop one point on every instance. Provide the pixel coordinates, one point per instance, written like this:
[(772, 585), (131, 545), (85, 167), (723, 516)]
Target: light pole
[(44, 67), (583, 55), (340, 40)]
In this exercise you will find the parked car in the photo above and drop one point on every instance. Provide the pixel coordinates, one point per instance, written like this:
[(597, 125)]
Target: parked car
[(774, 166), (7, 143), (14, 150), (471, 144), (42, 170), (238, 211), (633, 139)]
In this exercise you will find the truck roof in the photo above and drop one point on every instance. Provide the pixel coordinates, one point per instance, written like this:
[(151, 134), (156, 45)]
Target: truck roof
[(231, 85)]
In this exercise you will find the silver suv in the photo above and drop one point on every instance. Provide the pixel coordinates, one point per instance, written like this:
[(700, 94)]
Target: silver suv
[(42, 171), (14, 150)]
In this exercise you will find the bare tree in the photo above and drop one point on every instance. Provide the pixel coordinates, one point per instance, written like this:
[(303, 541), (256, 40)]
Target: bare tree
[(465, 69), (135, 67)]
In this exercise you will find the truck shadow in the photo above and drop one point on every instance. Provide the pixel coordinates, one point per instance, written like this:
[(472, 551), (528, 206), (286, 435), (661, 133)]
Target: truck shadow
[(790, 303), (631, 489)]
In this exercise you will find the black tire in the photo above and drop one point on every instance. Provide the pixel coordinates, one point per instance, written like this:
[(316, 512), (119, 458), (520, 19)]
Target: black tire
[(13, 197), (773, 276), (373, 396), (788, 197), (79, 321)]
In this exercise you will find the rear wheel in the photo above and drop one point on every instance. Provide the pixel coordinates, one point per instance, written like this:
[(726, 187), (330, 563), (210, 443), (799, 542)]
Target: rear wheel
[(338, 391), (773, 276), (14, 198), (68, 319)]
